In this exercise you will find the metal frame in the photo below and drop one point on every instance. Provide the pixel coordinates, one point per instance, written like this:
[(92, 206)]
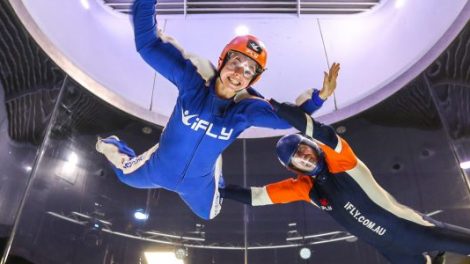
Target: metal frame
[(197, 242), (297, 7)]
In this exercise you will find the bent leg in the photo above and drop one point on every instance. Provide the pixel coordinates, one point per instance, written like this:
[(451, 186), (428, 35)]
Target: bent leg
[(397, 258), (450, 238), (132, 170)]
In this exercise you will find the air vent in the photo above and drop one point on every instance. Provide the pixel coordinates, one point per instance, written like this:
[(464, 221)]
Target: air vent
[(306, 7)]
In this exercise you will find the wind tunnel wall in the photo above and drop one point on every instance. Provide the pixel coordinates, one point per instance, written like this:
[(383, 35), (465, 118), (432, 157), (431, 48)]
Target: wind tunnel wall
[(75, 210)]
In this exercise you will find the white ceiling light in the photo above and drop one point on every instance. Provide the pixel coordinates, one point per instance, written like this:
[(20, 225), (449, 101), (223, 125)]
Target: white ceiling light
[(28, 168), (181, 253), (73, 158), (242, 30), (140, 215), (162, 257), (305, 253), (85, 4), (465, 165), (399, 3), (71, 162)]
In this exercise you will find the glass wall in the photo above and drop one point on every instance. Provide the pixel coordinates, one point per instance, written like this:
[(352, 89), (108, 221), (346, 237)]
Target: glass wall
[(77, 211)]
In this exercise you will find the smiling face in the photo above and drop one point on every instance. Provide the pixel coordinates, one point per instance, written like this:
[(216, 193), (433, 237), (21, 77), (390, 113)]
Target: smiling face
[(236, 74), (305, 158)]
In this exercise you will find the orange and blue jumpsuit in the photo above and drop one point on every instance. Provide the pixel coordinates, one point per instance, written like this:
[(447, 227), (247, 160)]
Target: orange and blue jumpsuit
[(348, 192)]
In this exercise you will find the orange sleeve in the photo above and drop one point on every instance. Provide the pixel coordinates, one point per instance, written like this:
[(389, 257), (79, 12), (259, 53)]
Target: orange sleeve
[(290, 190), (339, 161)]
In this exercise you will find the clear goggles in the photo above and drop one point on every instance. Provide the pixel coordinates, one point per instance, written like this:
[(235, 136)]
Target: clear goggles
[(305, 158), (239, 61)]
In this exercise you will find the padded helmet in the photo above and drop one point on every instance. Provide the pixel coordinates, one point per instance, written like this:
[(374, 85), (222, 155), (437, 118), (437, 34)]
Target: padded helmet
[(249, 46), (287, 146)]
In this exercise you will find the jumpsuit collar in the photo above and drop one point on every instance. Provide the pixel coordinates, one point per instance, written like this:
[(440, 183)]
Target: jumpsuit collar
[(219, 105)]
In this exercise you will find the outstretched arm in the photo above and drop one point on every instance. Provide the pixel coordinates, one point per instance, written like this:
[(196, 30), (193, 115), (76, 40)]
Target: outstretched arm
[(286, 191), (297, 117), (312, 99), (308, 102), (305, 123), (161, 52), (236, 193)]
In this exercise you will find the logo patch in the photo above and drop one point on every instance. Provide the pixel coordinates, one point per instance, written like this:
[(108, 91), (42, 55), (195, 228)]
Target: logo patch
[(325, 204), (133, 162), (196, 123), (254, 46), (363, 220), (323, 201)]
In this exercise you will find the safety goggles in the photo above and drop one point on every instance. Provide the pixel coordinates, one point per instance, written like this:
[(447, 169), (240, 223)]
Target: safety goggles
[(237, 60), (305, 158)]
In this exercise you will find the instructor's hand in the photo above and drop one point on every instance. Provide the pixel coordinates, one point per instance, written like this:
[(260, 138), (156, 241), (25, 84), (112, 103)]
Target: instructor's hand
[(329, 81)]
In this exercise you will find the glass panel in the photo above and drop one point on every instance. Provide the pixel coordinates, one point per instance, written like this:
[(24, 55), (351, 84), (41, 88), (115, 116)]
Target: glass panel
[(448, 79), (77, 211), (75, 202), (17, 161), (29, 85)]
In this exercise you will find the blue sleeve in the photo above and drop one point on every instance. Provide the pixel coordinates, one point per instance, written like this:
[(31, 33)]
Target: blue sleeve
[(313, 103), (236, 193), (260, 113), (264, 115), (164, 57), (300, 120)]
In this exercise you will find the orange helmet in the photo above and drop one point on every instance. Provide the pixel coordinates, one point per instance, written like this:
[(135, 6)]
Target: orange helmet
[(250, 46)]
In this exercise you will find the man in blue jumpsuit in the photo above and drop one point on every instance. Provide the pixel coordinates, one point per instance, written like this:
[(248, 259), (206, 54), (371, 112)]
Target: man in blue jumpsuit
[(332, 178), (213, 107)]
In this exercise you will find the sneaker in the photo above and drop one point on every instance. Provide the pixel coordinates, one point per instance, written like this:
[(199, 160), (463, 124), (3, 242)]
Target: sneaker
[(114, 140)]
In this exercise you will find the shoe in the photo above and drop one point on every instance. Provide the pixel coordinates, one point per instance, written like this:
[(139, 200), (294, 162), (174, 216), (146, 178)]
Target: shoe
[(439, 258), (114, 140)]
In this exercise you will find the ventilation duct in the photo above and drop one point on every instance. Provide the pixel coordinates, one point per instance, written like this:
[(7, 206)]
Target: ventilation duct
[(305, 7)]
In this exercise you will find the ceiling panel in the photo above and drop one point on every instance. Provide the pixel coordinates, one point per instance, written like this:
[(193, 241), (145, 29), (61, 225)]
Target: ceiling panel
[(309, 7)]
